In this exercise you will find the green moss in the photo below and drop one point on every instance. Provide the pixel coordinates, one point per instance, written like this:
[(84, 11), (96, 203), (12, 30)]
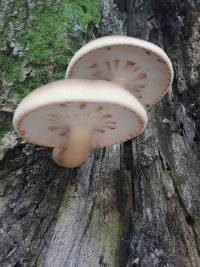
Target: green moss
[(48, 42)]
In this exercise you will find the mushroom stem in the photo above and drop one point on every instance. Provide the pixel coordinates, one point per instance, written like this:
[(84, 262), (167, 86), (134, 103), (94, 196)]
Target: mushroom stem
[(78, 146)]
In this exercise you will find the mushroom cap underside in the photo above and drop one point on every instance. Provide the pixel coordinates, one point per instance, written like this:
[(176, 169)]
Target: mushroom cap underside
[(139, 66), (47, 115)]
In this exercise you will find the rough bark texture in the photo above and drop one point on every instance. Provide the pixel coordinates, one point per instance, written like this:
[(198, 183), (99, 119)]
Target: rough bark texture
[(131, 205)]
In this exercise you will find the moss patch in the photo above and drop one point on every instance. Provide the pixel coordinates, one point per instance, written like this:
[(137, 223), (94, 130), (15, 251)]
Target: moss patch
[(38, 42), (41, 51)]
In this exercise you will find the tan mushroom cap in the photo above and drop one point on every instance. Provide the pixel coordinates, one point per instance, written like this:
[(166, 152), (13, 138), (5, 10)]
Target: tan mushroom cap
[(72, 117), (49, 115), (139, 66)]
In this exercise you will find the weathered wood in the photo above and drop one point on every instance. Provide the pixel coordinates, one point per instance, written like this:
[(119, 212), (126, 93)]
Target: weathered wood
[(135, 204)]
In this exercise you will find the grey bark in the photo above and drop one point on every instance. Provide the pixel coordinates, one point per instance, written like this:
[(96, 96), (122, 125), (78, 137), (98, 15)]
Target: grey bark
[(135, 204)]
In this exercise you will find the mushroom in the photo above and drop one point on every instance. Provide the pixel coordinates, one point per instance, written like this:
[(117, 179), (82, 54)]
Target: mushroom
[(73, 116), (139, 66)]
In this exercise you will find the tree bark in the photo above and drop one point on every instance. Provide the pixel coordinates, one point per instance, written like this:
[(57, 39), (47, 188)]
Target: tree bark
[(135, 204)]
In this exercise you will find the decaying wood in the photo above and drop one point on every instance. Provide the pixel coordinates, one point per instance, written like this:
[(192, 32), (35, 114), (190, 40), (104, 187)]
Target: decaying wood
[(131, 205)]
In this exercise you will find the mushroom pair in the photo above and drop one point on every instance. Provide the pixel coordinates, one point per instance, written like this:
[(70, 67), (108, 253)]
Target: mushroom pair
[(110, 82)]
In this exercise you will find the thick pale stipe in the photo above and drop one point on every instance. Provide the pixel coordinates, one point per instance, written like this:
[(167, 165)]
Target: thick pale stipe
[(79, 144)]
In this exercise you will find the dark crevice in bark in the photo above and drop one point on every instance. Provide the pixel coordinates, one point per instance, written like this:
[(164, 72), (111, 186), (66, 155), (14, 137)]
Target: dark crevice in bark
[(137, 190), (127, 157), (122, 5), (154, 36)]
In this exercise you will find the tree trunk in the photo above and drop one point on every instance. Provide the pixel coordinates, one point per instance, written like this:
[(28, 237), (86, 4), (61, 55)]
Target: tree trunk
[(135, 204)]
